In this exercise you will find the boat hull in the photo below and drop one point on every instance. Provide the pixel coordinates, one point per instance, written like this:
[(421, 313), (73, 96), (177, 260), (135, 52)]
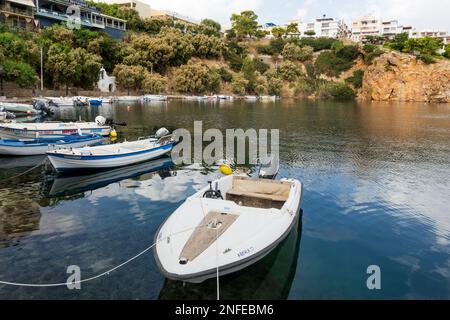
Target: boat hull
[(249, 239), (32, 130), (42, 149), (64, 162)]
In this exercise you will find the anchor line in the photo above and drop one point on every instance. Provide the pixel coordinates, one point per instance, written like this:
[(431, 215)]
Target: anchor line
[(99, 275), (27, 171)]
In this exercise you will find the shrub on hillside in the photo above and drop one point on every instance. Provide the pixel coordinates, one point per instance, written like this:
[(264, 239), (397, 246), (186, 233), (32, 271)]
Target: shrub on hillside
[(289, 71), (154, 83), (293, 52), (239, 84), (274, 86), (260, 65), (318, 44), (335, 90), (356, 80), (225, 75), (207, 46), (331, 65)]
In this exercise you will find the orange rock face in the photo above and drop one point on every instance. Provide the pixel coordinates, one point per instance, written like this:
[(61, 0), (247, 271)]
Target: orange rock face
[(400, 77)]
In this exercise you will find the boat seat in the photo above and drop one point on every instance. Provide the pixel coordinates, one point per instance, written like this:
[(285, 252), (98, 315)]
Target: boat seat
[(259, 193)]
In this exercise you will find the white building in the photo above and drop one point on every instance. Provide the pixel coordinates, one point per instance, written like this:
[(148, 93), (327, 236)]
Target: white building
[(105, 82), (142, 8), (322, 27), (374, 26)]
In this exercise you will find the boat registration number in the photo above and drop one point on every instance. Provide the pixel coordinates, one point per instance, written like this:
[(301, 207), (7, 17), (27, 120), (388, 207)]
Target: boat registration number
[(245, 252)]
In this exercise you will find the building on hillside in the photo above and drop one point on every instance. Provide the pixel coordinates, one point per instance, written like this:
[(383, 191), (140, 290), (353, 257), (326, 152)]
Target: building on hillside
[(321, 27), (142, 8), (374, 26), (267, 27), (175, 16), (17, 14), (50, 12), (106, 83)]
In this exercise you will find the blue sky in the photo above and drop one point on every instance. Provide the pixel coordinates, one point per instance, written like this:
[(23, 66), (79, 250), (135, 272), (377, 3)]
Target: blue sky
[(423, 14)]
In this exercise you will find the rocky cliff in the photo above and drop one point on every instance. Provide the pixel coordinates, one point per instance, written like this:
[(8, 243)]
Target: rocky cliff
[(400, 77)]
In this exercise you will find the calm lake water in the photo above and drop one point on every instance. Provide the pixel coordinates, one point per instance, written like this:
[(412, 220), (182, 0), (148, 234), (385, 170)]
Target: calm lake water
[(377, 192)]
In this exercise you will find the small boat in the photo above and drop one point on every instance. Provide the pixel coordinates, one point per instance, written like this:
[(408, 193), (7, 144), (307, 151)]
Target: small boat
[(195, 98), (95, 102), (81, 101), (268, 98), (152, 97), (38, 146), (60, 102), (124, 99), (224, 97), (19, 108), (111, 156), (251, 98), (32, 130), (227, 226)]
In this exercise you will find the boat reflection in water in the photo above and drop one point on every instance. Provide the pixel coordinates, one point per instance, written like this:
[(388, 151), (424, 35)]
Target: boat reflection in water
[(74, 184), (269, 278)]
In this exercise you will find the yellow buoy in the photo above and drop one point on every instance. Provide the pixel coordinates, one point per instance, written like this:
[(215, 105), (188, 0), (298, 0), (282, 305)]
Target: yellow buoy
[(225, 169), (113, 133)]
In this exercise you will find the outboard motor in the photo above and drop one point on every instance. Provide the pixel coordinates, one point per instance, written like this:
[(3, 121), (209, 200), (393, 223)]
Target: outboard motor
[(42, 106), (162, 133), (212, 193)]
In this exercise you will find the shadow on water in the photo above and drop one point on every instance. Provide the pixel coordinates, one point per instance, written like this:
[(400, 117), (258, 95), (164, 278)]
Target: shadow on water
[(269, 278)]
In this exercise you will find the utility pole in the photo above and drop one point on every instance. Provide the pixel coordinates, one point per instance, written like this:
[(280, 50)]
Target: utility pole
[(42, 71)]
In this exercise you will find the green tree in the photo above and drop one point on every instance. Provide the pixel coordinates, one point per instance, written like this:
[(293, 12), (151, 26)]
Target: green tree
[(290, 71), (196, 78), (310, 33), (154, 83), (207, 46), (210, 27), (292, 28), (19, 72), (239, 84), (399, 41), (129, 76), (356, 80), (279, 32), (245, 24), (447, 52), (274, 86)]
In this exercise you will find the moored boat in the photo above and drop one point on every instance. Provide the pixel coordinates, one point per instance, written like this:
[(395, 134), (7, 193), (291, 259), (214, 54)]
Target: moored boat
[(95, 102), (226, 227), (60, 102), (251, 98), (38, 146), (19, 108), (111, 156), (44, 129), (152, 97)]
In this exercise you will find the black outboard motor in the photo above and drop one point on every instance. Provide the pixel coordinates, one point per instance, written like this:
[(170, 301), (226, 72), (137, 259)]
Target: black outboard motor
[(42, 106)]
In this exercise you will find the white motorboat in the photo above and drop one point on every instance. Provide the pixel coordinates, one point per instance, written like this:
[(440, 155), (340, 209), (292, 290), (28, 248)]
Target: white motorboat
[(39, 146), (112, 155), (251, 98), (44, 129), (268, 98), (195, 98), (124, 99), (226, 227), (152, 97), (60, 102)]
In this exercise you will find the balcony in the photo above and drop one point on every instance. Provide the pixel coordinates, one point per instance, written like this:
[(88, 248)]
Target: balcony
[(10, 9)]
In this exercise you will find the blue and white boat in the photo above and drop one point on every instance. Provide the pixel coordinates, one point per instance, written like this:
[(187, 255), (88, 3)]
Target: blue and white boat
[(38, 146), (44, 129), (111, 156)]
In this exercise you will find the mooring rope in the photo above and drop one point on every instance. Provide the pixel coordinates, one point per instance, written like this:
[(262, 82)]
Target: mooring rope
[(99, 275), (25, 172), (217, 264)]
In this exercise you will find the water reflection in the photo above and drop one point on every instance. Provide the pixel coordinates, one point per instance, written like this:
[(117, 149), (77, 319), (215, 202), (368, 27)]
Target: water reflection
[(269, 278), (69, 185)]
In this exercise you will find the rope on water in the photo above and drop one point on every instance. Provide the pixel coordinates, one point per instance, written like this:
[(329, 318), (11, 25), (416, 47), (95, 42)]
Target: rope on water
[(25, 172), (97, 276)]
